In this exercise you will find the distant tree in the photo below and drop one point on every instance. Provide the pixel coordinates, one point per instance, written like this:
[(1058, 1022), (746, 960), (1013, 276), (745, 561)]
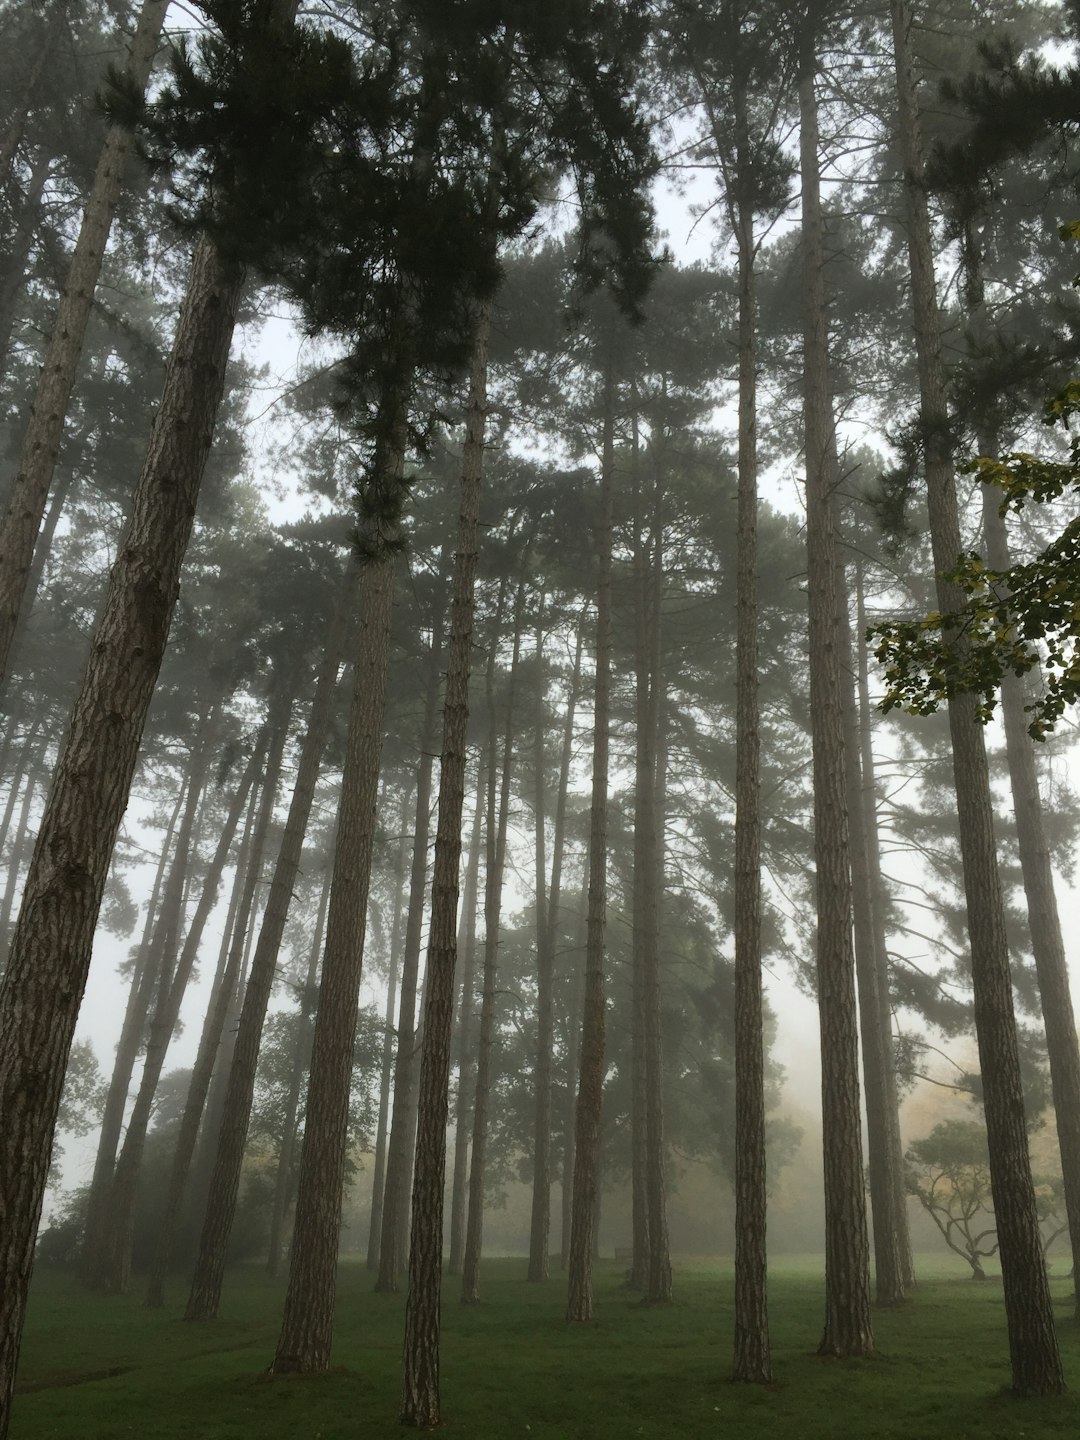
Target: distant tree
[(948, 1172)]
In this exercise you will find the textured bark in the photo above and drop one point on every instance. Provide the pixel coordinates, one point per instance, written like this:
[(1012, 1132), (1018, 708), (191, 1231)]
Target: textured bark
[(50, 952), (307, 1325), (283, 1179), (37, 458), (877, 1060), (591, 1075), (400, 1150), (752, 1358), (205, 1295), (35, 757), (386, 1068), (497, 824), (467, 946), (1036, 1363), (223, 989), (420, 1388), (847, 1299), (127, 1052), (573, 1063), (540, 1216)]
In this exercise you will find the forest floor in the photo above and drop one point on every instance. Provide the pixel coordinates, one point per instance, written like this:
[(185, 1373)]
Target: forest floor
[(101, 1368)]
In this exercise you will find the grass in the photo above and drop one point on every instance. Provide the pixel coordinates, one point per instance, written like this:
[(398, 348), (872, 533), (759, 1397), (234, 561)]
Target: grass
[(102, 1368)]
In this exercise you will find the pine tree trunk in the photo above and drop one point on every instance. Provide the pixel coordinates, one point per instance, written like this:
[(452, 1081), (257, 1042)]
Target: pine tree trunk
[(591, 1076), (752, 1359), (658, 1281), (848, 1328), (573, 1061), (19, 846), (307, 1325), (205, 1294), (37, 459), (400, 1149), (386, 1068), (467, 946), (643, 779), (1036, 1362), (20, 110), (496, 865), (224, 987), (283, 1179), (868, 802), (885, 1185), (540, 1217), (50, 953), (420, 1388)]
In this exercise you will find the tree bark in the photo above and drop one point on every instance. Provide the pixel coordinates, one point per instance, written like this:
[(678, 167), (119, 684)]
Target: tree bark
[(643, 781), (848, 1328), (540, 1217), (496, 866), (467, 944), (1036, 1362), (205, 1295), (50, 953), (591, 1077), (420, 1386), (37, 458), (307, 1325)]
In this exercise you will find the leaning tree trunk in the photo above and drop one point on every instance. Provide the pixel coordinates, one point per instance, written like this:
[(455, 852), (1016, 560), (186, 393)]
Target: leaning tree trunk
[(467, 944), (591, 1076), (223, 990), (13, 271), (386, 1067), (752, 1359), (37, 458), (127, 1053), (307, 1325), (847, 1283), (21, 109), (205, 1294), (50, 952), (1036, 1362), (497, 824), (420, 1388)]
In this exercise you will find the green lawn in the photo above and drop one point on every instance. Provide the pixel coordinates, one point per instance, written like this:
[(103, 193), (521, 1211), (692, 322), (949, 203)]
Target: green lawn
[(105, 1367)]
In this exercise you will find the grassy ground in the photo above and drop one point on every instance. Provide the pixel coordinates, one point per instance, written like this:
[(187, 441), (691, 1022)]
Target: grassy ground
[(104, 1368)]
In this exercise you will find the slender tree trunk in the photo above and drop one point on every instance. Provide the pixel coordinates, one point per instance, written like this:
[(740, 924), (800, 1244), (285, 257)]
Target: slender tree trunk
[(540, 1218), (37, 459), (876, 1040), (307, 1324), (573, 1060), (20, 110), (752, 1359), (847, 1299), (658, 1281), (868, 802), (400, 1149), (50, 953), (223, 989), (496, 866), (420, 1387), (283, 1180), (643, 780), (591, 1077), (205, 1295), (1036, 1362), (35, 760), (127, 1052), (467, 946)]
